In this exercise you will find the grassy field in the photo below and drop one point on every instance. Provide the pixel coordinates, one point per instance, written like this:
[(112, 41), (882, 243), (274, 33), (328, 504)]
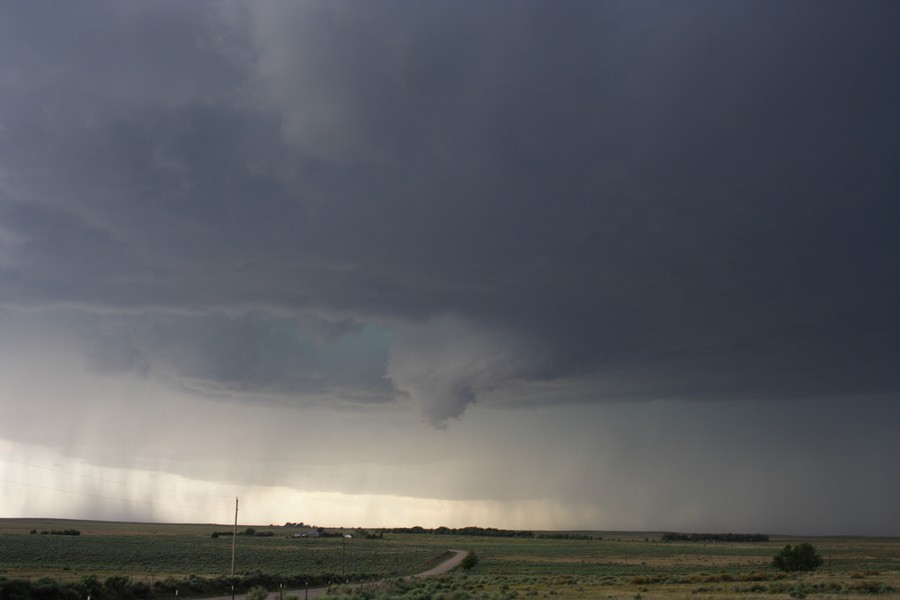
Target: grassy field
[(621, 565), (150, 550)]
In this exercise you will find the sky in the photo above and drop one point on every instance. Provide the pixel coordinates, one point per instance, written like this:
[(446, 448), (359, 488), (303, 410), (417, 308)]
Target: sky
[(607, 265)]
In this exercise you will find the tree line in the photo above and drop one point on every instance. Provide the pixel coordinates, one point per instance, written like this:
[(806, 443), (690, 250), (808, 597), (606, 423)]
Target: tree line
[(489, 532), (249, 531), (58, 532), (715, 537), (479, 531)]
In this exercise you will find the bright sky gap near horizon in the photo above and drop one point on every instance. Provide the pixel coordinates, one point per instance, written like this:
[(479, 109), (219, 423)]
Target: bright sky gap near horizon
[(622, 265)]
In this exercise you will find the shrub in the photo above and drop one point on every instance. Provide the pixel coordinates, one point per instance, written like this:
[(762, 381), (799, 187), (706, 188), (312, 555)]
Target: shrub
[(469, 561), (258, 593), (802, 557)]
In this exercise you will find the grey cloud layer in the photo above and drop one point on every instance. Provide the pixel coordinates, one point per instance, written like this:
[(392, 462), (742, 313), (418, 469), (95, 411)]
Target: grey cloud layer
[(684, 201)]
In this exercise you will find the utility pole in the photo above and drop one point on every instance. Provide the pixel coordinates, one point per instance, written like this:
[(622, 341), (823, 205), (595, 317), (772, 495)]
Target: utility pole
[(234, 535)]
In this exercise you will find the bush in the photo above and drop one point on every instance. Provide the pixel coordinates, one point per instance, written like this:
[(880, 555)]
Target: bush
[(802, 557), (258, 593), (469, 561)]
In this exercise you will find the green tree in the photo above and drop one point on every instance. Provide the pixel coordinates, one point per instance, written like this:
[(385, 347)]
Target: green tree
[(802, 557)]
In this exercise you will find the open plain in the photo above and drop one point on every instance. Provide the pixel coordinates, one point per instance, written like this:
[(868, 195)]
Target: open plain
[(186, 560)]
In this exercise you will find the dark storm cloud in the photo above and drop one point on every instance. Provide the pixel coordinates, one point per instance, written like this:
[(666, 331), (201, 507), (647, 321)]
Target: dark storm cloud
[(290, 361), (692, 200)]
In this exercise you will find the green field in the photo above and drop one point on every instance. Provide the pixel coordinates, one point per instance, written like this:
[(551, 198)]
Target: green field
[(621, 565), (149, 550)]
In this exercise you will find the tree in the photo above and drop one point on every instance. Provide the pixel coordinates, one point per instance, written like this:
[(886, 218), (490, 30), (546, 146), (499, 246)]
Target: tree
[(802, 557)]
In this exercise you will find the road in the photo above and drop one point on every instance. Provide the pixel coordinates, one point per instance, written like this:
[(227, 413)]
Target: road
[(303, 594), (448, 565)]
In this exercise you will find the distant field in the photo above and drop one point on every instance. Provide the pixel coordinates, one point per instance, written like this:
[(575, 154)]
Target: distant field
[(151, 550), (621, 565)]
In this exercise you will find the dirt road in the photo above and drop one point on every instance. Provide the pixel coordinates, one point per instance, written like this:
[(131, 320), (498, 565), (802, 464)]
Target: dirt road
[(447, 565), (303, 594)]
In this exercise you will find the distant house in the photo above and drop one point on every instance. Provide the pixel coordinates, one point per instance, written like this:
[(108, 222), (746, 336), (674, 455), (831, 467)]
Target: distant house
[(313, 534)]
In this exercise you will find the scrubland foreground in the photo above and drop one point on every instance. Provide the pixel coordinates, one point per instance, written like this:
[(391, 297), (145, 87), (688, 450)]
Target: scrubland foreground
[(130, 561)]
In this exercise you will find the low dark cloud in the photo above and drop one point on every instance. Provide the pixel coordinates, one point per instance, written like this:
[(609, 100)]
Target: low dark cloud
[(667, 201)]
